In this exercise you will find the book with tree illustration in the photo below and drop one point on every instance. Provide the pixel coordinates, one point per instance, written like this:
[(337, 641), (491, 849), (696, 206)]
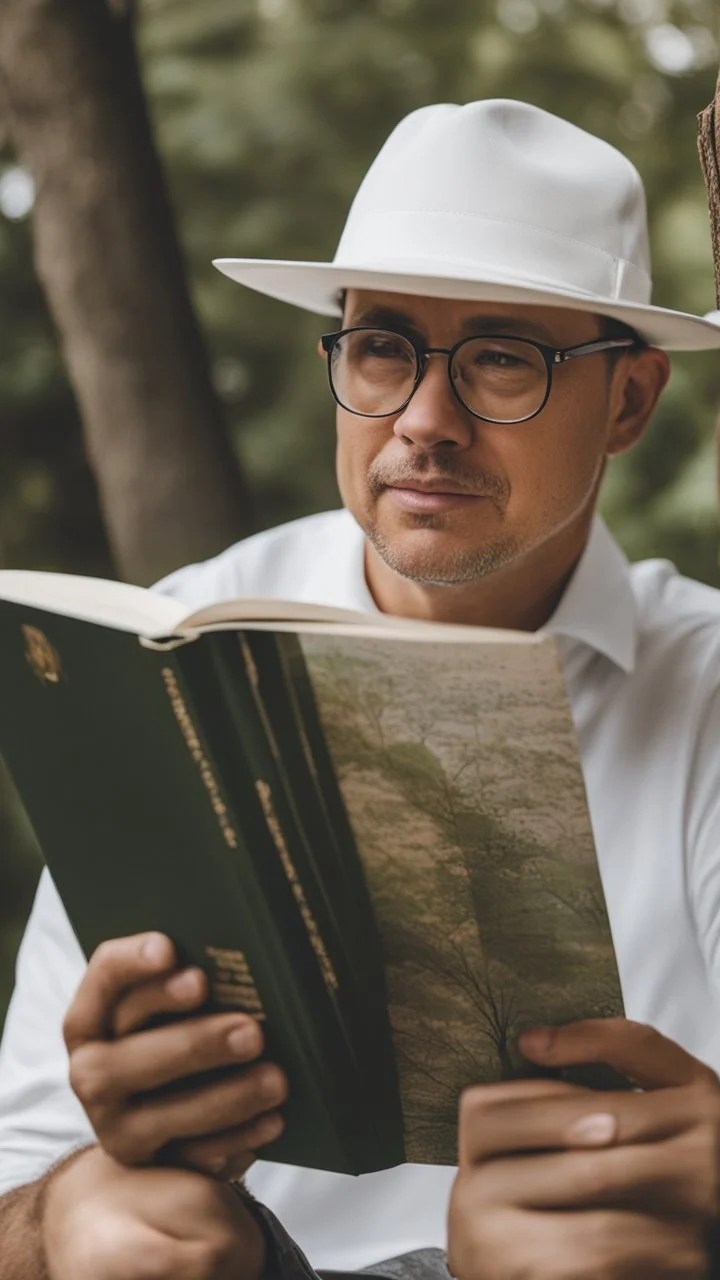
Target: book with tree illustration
[(371, 833)]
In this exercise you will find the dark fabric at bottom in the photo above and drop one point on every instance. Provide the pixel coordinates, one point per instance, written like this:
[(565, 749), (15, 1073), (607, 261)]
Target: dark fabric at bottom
[(425, 1264), (285, 1261)]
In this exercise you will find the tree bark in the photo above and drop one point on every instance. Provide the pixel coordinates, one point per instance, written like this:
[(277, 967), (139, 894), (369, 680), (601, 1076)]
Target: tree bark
[(709, 148), (108, 257)]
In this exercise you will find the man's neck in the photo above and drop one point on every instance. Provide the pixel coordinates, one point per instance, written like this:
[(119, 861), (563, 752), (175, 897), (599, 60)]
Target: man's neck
[(522, 597)]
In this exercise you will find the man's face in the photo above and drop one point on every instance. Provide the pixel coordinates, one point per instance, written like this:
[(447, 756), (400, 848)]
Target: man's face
[(446, 498)]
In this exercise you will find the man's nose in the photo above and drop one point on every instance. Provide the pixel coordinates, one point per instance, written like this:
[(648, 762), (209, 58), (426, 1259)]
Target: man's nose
[(435, 416)]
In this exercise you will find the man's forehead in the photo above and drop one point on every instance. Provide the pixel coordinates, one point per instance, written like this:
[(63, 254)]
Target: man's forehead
[(547, 324)]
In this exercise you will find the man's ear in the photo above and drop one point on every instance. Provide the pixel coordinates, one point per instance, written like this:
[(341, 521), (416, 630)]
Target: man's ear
[(321, 350), (637, 384)]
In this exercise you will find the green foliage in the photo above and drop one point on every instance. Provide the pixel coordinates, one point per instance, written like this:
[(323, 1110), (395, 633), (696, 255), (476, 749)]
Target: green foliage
[(267, 114)]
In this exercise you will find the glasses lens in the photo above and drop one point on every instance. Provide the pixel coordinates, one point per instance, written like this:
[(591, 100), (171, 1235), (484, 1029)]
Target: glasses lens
[(501, 379), (373, 371)]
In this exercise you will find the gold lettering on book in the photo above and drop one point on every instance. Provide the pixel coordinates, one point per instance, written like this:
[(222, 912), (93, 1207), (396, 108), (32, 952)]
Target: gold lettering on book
[(307, 752), (250, 664), (232, 983), (42, 656), (189, 733), (298, 892)]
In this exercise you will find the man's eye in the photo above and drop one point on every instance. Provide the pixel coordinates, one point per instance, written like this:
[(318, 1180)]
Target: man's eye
[(499, 359), (384, 349)]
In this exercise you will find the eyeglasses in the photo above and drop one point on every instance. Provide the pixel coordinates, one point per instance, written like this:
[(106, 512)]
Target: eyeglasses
[(376, 372)]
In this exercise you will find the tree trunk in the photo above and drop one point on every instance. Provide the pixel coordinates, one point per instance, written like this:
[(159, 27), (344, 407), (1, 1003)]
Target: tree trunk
[(108, 257), (709, 148)]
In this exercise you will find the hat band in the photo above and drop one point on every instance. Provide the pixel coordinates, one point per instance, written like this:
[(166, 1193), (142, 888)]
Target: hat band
[(478, 247)]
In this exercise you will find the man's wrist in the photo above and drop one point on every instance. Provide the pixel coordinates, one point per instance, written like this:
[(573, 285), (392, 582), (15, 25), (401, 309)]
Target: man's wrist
[(52, 1185)]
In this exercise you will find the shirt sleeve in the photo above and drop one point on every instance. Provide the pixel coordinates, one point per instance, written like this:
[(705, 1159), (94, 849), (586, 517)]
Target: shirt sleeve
[(703, 837), (41, 1120)]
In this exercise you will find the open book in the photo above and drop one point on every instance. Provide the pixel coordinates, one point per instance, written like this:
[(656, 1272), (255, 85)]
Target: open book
[(371, 833)]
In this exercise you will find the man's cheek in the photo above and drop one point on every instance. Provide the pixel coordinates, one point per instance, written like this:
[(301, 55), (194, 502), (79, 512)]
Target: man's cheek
[(551, 488), (352, 481), (353, 462)]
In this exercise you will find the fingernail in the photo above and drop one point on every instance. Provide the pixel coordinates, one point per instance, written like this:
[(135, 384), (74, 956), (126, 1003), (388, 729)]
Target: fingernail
[(154, 948), (537, 1041), (183, 985), (595, 1130), (243, 1040), (217, 1165)]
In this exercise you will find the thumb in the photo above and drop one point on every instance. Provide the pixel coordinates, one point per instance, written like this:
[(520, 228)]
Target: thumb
[(114, 967), (638, 1052)]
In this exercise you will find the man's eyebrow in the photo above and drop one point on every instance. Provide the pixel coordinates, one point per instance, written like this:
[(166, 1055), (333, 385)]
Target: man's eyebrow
[(384, 317), (381, 317), (511, 325)]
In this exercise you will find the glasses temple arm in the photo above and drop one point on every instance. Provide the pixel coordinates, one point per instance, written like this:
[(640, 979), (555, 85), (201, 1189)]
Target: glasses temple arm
[(590, 348)]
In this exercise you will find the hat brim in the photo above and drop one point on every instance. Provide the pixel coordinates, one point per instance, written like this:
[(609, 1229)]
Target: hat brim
[(316, 286)]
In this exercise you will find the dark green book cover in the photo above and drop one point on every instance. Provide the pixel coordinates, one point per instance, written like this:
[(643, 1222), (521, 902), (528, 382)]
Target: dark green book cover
[(145, 825), (373, 837), (274, 686)]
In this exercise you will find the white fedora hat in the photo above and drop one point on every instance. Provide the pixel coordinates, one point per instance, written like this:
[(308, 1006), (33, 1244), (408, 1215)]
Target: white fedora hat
[(493, 201)]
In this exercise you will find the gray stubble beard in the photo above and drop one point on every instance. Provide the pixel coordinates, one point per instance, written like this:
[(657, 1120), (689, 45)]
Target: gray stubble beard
[(460, 569)]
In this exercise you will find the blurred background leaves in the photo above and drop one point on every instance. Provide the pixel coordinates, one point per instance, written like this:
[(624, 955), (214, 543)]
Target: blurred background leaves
[(267, 113)]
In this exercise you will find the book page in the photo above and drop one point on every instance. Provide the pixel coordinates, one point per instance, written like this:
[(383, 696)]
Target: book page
[(462, 781), (228, 613), (289, 615), (153, 616), (111, 604)]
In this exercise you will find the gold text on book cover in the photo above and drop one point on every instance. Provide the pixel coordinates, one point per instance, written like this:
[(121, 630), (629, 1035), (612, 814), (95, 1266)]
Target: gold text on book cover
[(298, 892), (42, 656)]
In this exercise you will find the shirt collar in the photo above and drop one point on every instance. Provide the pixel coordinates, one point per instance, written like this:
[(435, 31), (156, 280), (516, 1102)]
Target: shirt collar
[(598, 607)]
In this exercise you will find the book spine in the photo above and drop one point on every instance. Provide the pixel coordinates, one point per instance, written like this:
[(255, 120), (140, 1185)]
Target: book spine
[(349, 883), (318, 814), (268, 697), (342, 1012)]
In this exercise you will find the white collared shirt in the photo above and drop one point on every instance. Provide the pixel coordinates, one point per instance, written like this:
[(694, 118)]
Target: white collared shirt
[(641, 654)]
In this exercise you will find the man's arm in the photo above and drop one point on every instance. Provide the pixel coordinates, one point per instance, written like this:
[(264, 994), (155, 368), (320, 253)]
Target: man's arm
[(21, 1217), (92, 1218), (21, 1247)]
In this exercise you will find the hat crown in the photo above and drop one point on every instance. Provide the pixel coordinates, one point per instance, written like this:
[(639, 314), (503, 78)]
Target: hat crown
[(502, 189)]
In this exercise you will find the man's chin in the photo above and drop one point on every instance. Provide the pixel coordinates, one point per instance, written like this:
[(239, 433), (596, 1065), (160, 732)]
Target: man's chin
[(435, 558)]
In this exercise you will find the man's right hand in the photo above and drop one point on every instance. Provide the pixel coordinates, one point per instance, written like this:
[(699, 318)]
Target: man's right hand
[(101, 1221), (117, 1065)]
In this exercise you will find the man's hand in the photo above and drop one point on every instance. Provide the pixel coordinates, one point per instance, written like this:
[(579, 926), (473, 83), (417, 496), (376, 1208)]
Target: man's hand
[(558, 1182), (117, 1067), (102, 1221)]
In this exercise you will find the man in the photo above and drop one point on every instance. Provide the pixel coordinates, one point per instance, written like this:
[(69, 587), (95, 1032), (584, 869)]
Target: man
[(497, 346)]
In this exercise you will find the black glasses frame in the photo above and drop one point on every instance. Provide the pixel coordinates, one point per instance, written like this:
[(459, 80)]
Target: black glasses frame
[(552, 357)]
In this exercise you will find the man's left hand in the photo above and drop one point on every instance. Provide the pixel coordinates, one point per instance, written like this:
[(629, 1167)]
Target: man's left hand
[(560, 1182)]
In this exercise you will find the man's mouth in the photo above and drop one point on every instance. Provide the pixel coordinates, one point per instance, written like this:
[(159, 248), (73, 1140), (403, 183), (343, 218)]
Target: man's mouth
[(430, 495)]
